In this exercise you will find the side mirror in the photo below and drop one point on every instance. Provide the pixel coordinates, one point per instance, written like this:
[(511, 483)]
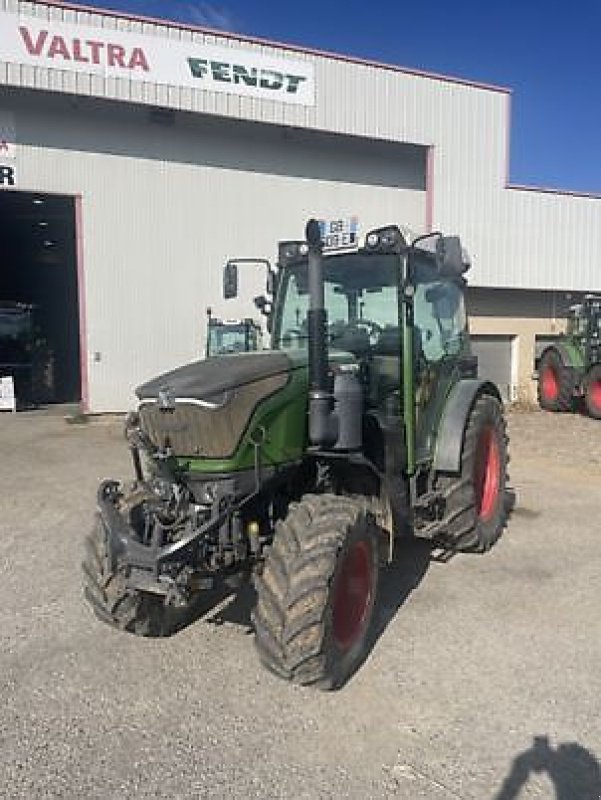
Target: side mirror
[(449, 257), (230, 280)]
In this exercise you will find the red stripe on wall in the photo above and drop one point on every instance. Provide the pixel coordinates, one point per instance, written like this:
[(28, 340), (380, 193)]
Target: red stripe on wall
[(81, 301)]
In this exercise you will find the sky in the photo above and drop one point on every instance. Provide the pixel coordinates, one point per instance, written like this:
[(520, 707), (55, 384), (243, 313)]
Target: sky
[(548, 52)]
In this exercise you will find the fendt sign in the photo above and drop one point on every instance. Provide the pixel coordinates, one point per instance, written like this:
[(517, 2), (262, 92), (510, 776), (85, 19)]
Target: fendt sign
[(111, 53)]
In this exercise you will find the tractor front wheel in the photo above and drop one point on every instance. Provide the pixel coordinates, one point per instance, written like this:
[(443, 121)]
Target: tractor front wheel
[(592, 392), (555, 383), (317, 591), (475, 505), (111, 600)]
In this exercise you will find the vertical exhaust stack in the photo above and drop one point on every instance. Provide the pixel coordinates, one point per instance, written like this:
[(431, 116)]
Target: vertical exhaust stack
[(323, 428)]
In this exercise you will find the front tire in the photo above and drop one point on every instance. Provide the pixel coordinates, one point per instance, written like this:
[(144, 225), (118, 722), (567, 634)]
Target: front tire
[(317, 592), (555, 383), (592, 392), (475, 507), (110, 598)]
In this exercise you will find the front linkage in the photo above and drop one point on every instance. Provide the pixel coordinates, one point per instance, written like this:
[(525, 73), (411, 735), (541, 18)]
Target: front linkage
[(166, 539)]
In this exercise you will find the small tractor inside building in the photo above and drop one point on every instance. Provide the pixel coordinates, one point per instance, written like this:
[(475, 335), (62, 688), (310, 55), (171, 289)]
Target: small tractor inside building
[(570, 367), (301, 465)]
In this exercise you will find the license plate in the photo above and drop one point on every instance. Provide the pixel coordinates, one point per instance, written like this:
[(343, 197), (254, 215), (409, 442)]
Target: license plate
[(339, 234)]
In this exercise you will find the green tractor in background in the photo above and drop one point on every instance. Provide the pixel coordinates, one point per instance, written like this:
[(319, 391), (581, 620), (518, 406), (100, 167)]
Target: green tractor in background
[(303, 464), (231, 335), (571, 366)]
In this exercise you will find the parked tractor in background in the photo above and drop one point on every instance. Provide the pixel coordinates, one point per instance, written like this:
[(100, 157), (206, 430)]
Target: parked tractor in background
[(231, 335), (302, 465), (570, 367), (24, 355)]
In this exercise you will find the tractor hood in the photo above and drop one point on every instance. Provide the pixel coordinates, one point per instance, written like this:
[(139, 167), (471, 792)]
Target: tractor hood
[(215, 376), (209, 409)]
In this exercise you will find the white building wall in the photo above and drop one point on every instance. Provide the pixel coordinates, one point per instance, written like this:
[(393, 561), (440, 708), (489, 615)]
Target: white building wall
[(466, 126), (163, 207)]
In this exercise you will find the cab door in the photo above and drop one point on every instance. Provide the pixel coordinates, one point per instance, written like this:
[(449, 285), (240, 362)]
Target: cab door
[(442, 356)]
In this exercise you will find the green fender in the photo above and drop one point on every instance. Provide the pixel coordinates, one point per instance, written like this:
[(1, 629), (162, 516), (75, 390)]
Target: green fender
[(449, 442), (571, 355)]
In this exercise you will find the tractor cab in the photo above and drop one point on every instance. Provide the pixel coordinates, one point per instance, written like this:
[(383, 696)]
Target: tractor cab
[(394, 304)]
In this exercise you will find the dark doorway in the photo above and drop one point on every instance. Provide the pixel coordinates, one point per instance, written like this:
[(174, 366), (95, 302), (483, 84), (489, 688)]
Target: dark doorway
[(38, 269)]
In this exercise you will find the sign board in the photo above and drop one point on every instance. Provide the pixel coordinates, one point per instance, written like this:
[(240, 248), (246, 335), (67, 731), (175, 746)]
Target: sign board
[(8, 151), (109, 53), (7, 394)]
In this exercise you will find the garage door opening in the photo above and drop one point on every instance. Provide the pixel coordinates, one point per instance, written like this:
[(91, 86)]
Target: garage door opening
[(39, 308), (497, 362)]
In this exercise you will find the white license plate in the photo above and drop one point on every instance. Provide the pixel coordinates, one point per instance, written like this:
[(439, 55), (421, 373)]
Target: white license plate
[(340, 234)]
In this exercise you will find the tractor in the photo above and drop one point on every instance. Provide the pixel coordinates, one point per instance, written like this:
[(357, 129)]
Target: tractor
[(300, 467), (24, 355), (570, 367), (231, 335)]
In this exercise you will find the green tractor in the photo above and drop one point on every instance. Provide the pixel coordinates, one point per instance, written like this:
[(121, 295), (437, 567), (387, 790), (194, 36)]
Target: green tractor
[(570, 367), (303, 464), (231, 335)]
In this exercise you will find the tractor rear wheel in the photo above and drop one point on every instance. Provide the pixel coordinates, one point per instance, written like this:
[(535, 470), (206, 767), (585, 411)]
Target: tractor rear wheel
[(592, 392), (111, 600), (317, 591), (555, 383), (475, 506)]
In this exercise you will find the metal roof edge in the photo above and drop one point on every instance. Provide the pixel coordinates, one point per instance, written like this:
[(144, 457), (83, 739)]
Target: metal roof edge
[(548, 190), (281, 45)]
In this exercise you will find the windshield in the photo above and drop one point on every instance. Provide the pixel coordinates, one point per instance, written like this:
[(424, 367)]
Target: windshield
[(361, 298)]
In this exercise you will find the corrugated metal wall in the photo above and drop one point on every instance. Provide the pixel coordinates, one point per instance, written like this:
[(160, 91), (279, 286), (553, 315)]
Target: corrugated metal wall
[(165, 205), (149, 198), (464, 124)]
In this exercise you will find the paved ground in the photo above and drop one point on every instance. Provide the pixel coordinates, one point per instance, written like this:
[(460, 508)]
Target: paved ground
[(484, 655)]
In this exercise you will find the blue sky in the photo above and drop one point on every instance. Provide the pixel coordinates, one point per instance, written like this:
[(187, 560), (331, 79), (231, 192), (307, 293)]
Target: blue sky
[(547, 51)]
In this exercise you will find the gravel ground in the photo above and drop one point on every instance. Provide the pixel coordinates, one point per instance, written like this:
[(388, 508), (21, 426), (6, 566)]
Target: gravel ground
[(477, 660)]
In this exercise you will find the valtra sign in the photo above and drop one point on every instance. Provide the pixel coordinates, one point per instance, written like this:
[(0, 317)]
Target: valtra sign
[(54, 47), (109, 53)]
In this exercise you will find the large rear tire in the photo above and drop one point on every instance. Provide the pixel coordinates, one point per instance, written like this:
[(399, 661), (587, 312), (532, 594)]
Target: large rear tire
[(111, 600), (555, 383), (317, 592), (592, 392), (475, 505)]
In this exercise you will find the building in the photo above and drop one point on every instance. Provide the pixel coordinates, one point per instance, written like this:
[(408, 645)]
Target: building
[(136, 156)]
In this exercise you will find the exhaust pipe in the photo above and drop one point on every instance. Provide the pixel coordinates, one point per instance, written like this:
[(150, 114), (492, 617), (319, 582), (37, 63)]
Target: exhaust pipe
[(323, 427)]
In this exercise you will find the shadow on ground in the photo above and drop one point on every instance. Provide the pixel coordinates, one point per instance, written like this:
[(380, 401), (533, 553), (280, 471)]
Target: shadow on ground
[(397, 581), (574, 771)]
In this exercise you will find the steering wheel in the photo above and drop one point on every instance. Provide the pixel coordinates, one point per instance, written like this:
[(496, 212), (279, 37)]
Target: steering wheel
[(373, 328)]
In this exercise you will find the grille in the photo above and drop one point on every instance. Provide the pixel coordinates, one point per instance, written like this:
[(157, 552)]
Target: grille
[(196, 429)]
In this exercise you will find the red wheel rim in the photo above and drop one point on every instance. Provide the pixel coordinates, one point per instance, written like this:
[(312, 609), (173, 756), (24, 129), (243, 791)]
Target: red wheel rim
[(595, 394), (487, 478), (550, 384), (352, 595)]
